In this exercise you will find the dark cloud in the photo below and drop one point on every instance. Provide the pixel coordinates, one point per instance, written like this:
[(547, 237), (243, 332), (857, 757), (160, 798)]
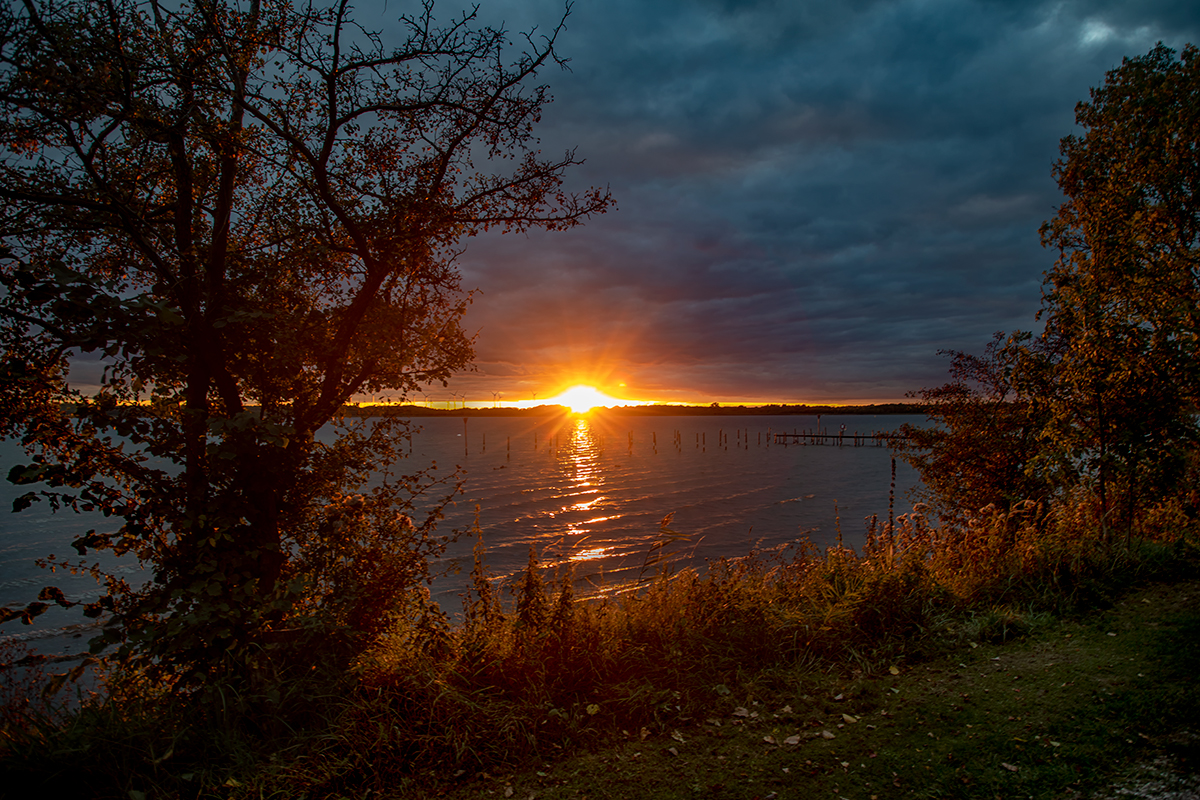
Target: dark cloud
[(814, 198)]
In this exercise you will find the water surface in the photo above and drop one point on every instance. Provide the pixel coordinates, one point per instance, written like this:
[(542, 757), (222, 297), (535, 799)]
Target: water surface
[(589, 492)]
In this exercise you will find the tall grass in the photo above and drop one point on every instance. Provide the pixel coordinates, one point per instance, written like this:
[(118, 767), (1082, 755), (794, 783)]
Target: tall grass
[(532, 670), (544, 669)]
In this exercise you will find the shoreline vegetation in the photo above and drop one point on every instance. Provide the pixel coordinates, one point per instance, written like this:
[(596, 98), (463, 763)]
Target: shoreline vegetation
[(753, 662)]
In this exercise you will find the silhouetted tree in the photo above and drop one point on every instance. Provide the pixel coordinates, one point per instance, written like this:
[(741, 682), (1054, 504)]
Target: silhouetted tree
[(983, 447), (251, 211), (1124, 295), (1106, 398)]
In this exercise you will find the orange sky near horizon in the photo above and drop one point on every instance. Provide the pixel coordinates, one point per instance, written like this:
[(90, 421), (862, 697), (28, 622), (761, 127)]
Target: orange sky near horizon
[(583, 397)]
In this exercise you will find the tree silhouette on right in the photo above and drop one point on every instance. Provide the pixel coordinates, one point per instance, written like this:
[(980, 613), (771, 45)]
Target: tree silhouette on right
[(1104, 400), (1123, 299)]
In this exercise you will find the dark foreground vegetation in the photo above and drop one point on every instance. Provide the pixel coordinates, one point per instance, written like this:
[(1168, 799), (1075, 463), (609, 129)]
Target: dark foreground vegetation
[(884, 672), (1025, 706), (251, 213)]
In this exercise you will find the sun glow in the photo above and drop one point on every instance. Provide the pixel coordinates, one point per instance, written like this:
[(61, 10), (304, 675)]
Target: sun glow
[(581, 399)]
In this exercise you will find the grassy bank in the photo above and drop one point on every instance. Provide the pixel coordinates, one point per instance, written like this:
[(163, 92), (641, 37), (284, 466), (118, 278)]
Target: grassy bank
[(1103, 705), (936, 662)]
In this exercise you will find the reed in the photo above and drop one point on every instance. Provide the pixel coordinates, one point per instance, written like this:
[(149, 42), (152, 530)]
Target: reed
[(532, 670), (546, 670)]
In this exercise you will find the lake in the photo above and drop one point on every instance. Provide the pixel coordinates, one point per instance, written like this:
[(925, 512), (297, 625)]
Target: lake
[(589, 491)]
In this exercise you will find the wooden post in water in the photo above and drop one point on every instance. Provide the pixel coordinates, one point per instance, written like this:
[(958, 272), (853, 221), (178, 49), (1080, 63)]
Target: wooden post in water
[(892, 496)]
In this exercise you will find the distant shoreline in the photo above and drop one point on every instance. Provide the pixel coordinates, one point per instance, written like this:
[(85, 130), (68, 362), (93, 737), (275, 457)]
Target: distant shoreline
[(386, 410)]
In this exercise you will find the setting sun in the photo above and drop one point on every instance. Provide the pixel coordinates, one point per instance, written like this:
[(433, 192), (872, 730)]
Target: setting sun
[(581, 399)]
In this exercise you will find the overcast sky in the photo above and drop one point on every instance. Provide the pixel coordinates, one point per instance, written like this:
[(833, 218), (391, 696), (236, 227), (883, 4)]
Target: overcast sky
[(813, 197)]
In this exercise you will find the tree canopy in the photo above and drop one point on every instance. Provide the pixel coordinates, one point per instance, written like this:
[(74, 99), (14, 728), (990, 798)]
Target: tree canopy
[(983, 450), (1124, 295), (1105, 399), (251, 212)]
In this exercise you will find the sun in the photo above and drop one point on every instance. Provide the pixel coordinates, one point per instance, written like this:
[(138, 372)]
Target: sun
[(581, 399)]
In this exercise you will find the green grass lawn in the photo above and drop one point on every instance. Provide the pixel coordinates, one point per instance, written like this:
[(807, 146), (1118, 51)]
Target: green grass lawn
[(1002, 704), (1108, 705)]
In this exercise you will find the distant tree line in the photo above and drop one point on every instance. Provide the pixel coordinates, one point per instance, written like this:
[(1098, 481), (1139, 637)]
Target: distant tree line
[(656, 410)]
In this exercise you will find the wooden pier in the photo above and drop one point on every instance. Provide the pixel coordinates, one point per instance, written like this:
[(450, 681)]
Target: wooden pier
[(840, 439)]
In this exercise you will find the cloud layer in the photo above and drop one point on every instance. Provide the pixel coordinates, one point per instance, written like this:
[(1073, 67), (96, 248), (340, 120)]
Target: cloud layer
[(814, 198)]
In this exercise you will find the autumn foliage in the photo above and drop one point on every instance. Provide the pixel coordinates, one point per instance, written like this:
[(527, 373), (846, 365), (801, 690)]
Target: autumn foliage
[(293, 595), (245, 214)]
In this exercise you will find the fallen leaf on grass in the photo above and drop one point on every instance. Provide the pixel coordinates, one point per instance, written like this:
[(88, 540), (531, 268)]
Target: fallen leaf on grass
[(672, 751), (849, 718), (677, 736), (741, 711), (1009, 767), (828, 735), (894, 670), (769, 739), (794, 739), (508, 791)]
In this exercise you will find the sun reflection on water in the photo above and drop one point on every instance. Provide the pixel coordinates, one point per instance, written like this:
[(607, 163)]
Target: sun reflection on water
[(590, 554), (581, 458)]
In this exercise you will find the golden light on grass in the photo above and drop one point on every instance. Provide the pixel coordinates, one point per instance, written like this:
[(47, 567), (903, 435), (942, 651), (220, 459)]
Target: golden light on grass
[(582, 399)]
